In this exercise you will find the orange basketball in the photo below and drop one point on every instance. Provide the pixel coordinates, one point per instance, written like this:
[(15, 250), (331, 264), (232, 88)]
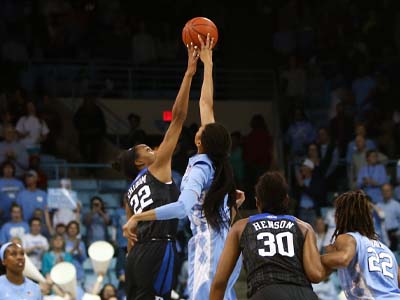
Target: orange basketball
[(202, 26)]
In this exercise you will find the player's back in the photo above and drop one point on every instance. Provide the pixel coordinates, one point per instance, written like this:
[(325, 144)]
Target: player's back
[(373, 272), (272, 248), (147, 192)]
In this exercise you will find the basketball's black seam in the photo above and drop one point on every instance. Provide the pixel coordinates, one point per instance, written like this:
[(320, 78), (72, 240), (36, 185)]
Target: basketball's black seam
[(202, 34), (190, 34)]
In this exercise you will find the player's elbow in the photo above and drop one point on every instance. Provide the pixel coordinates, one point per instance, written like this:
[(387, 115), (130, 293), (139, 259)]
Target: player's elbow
[(315, 275), (178, 114)]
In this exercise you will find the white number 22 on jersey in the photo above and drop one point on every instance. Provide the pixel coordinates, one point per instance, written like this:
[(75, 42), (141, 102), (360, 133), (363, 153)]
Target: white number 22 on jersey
[(380, 263), (271, 242), (141, 199)]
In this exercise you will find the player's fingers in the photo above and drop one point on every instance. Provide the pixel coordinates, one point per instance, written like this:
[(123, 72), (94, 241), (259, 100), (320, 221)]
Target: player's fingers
[(201, 41), (212, 43), (208, 40)]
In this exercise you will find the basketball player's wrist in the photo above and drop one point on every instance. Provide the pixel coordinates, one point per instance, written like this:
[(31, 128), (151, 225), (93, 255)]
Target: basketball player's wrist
[(189, 73)]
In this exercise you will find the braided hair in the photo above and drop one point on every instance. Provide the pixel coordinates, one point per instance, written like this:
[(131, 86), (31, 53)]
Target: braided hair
[(354, 214)]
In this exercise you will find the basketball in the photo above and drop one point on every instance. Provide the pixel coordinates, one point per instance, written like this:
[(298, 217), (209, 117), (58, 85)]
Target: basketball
[(202, 26)]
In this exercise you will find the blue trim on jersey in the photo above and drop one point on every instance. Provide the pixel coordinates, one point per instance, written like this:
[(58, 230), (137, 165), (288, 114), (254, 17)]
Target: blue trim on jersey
[(271, 217), (138, 176), (163, 283)]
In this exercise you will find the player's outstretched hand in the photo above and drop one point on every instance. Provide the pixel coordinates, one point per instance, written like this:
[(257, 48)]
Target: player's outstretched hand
[(193, 57), (240, 197), (129, 230), (206, 49)]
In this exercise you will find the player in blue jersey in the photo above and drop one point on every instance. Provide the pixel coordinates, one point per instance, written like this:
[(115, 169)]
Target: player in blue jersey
[(208, 196), (14, 285), (279, 251), (367, 268), (151, 263)]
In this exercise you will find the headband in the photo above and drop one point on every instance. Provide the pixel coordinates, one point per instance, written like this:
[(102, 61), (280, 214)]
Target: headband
[(4, 248)]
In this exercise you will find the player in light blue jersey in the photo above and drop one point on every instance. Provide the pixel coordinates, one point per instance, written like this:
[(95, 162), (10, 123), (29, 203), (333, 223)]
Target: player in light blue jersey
[(367, 268), (14, 285), (208, 196)]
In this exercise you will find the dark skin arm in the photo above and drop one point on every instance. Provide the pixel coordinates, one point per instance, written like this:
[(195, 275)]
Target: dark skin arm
[(161, 168), (227, 260), (340, 253), (207, 89), (312, 264)]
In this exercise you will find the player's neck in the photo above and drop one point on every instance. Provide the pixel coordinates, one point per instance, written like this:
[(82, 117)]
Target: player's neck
[(15, 278)]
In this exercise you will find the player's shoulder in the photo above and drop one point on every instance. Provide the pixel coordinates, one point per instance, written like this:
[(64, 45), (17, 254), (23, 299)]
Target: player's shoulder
[(239, 227), (348, 238), (240, 223), (200, 159), (304, 226)]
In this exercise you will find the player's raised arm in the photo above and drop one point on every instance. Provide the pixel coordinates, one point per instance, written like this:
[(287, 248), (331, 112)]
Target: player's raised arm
[(207, 90), (161, 168)]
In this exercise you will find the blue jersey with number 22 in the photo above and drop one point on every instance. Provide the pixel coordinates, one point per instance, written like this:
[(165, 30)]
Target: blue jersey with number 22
[(372, 274)]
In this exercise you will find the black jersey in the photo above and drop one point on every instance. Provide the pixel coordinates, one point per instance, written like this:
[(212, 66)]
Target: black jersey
[(272, 248), (147, 192)]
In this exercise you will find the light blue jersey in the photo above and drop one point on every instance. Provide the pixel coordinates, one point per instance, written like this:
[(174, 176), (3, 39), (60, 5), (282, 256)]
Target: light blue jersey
[(206, 245), (26, 291), (372, 274)]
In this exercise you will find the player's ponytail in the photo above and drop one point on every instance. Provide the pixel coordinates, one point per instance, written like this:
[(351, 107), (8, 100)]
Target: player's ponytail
[(216, 142)]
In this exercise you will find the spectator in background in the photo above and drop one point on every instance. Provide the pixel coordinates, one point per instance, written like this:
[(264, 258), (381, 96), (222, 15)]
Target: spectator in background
[(391, 210), (13, 151), (372, 176), (32, 198), (9, 189), (91, 126), (236, 158), (56, 255), (32, 130), (311, 192), (362, 88), (60, 229), (118, 221), (34, 243), (96, 221), (51, 114), (66, 215), (351, 147), (108, 292), (328, 151), (34, 164), (136, 135), (76, 247), (359, 159), (257, 153), (39, 214), (16, 227), (257, 149), (6, 120), (339, 128), (300, 134)]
